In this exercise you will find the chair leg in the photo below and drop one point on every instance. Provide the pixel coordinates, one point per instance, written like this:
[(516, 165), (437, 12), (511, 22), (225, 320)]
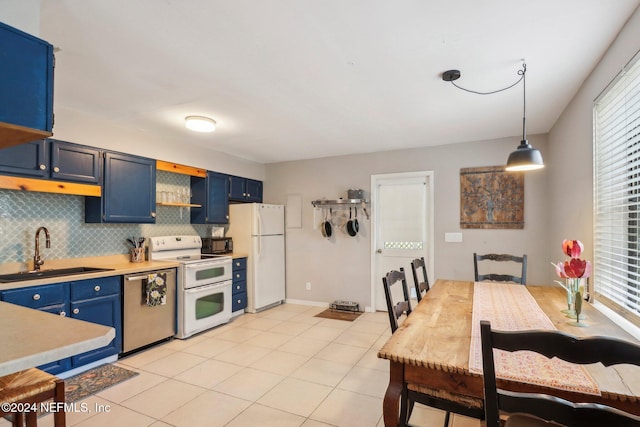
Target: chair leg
[(446, 419), (404, 410), (59, 417), (18, 419), (31, 419)]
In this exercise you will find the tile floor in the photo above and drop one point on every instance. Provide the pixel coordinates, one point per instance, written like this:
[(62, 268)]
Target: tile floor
[(282, 367)]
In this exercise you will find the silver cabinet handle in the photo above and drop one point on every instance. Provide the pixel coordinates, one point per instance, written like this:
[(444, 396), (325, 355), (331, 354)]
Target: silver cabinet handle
[(36, 297), (43, 167), (379, 251), (238, 287), (239, 301), (248, 194), (237, 264), (153, 214), (137, 277), (56, 169), (237, 276), (97, 288), (63, 313), (76, 310)]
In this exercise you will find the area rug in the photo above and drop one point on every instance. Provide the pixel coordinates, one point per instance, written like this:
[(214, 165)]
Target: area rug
[(95, 380), (339, 315)]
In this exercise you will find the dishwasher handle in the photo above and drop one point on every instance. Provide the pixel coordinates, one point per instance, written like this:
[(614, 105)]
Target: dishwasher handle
[(146, 276)]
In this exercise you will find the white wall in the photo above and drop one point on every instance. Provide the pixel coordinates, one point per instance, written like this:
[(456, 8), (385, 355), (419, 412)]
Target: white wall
[(570, 159), (340, 268), (21, 14)]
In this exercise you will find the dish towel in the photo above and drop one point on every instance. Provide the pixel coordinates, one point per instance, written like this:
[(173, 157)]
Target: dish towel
[(156, 289)]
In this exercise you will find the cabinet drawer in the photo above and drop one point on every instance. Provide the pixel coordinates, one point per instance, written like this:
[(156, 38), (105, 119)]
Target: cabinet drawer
[(239, 286), (239, 301), (239, 264), (37, 296), (91, 288), (239, 275)]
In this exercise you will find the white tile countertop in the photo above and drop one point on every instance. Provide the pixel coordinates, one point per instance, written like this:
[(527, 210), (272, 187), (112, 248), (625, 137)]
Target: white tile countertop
[(31, 337)]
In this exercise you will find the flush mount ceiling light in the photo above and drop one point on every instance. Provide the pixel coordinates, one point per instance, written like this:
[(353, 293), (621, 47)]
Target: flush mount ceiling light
[(200, 123), (525, 157)]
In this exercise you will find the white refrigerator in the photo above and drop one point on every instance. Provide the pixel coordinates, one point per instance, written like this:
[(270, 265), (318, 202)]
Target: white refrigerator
[(257, 230)]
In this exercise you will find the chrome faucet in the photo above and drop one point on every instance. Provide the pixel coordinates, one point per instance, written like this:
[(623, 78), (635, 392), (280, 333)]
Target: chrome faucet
[(37, 261)]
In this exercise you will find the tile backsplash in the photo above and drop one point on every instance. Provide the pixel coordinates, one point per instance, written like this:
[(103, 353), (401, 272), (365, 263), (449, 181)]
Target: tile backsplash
[(22, 212)]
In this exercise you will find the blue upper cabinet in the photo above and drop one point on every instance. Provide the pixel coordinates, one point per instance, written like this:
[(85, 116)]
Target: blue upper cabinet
[(51, 158), (128, 191), (244, 190), (30, 159), (212, 193), (26, 85)]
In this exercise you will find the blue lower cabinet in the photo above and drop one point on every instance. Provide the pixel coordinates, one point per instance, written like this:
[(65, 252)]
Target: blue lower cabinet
[(92, 300), (98, 301), (239, 286)]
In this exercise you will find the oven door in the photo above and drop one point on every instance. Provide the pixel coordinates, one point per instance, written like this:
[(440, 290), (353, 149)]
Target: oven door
[(207, 272), (206, 307)]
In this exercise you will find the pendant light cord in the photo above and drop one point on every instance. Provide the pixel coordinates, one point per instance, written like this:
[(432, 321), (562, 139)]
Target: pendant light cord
[(520, 73), (524, 101)]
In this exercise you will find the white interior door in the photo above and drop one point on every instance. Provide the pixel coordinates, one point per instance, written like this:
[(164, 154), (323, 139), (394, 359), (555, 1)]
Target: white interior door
[(402, 217)]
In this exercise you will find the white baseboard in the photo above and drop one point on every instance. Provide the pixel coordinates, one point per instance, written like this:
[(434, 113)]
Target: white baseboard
[(307, 302)]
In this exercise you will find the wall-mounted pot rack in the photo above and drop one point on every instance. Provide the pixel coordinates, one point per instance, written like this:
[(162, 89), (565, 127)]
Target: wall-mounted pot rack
[(342, 203)]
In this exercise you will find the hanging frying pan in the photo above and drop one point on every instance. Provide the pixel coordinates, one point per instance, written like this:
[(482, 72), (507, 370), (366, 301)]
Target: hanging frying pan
[(356, 226), (327, 230), (351, 226)]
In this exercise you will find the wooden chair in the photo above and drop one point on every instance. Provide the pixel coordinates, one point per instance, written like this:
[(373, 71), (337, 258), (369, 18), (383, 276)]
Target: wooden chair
[(537, 410), (448, 402), (501, 277), (32, 386), (421, 286), (396, 310)]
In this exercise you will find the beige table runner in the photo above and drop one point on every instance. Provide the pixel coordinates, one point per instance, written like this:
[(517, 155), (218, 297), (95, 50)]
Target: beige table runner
[(510, 307)]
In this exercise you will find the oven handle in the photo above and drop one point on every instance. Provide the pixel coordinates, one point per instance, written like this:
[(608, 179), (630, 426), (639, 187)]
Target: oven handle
[(221, 285)]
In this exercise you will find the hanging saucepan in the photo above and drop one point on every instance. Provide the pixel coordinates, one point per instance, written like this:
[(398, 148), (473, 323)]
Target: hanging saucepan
[(327, 230), (350, 226), (356, 226)]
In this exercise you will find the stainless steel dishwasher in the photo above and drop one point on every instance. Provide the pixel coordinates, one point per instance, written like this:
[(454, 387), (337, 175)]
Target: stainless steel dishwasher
[(141, 324)]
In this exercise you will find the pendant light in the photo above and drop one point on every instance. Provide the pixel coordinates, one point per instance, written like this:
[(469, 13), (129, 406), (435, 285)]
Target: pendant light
[(525, 158)]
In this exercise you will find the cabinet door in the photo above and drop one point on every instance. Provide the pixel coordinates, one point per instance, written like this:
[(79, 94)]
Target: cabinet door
[(30, 159), (26, 79), (73, 162), (254, 191), (128, 191), (217, 198), (105, 311), (237, 188)]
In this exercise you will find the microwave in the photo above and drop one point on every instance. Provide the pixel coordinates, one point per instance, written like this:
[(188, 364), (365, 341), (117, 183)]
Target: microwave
[(217, 245)]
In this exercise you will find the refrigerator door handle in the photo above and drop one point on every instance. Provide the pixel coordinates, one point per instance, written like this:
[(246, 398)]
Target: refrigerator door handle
[(259, 217)]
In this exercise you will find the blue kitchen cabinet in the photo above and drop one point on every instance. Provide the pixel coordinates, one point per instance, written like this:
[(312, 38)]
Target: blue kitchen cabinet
[(128, 191), (239, 285), (50, 298), (30, 159), (98, 301), (26, 85), (74, 162), (212, 193), (245, 189), (92, 300), (52, 158)]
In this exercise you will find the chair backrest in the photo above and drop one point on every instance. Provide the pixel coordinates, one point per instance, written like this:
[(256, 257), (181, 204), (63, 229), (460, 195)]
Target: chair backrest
[(522, 279), (422, 286), (396, 310), (608, 351)]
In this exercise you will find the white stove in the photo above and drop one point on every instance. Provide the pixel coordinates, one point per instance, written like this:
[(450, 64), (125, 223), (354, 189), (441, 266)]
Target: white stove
[(204, 282)]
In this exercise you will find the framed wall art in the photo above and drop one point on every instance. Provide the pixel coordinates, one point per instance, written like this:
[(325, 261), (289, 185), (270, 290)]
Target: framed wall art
[(491, 197)]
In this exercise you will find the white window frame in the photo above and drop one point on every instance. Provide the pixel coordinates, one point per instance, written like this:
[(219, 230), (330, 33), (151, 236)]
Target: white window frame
[(616, 177)]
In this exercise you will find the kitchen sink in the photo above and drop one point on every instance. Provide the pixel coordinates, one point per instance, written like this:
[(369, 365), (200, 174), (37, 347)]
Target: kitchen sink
[(43, 274)]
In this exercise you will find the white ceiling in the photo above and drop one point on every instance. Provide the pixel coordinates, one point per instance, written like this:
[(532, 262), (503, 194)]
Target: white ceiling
[(296, 79)]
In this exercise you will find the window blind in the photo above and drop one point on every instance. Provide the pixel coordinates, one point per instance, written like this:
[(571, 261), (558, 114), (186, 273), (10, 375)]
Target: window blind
[(617, 194)]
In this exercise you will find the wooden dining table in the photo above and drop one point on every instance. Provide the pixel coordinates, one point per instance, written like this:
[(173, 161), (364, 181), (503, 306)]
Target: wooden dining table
[(430, 350)]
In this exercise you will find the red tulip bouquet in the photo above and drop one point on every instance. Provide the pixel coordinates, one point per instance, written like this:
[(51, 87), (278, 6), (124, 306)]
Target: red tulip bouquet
[(573, 271)]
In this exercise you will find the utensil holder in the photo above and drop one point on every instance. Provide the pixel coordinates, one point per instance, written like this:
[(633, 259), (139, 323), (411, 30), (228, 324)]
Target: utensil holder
[(136, 255)]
